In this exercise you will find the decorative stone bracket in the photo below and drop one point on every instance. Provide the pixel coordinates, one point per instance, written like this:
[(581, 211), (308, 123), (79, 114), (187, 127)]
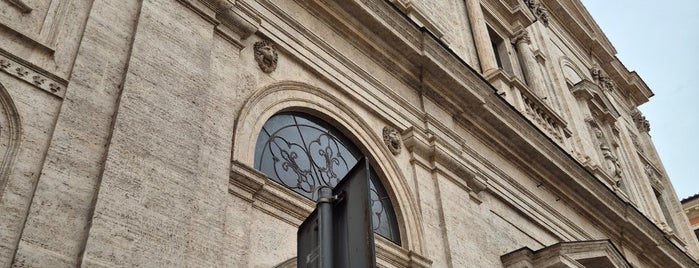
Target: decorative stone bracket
[(538, 10), (601, 78), (641, 122), (441, 156), (241, 20)]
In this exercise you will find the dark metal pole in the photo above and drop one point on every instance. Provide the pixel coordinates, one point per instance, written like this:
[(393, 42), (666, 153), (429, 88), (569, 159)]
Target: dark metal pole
[(325, 228)]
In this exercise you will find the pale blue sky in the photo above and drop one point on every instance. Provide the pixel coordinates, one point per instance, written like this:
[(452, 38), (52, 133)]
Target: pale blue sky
[(660, 41)]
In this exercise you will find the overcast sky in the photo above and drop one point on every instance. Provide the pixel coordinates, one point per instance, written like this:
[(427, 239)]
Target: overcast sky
[(660, 41)]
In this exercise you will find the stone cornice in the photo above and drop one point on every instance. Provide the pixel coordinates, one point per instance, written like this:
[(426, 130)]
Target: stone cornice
[(407, 7), (21, 5), (631, 86), (572, 17), (233, 20), (370, 86)]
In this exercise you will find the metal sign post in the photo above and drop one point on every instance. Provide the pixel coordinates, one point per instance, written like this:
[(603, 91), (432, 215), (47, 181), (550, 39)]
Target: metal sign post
[(314, 245), (339, 232)]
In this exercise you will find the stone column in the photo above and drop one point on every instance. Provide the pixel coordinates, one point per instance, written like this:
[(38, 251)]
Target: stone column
[(481, 38), (530, 67)]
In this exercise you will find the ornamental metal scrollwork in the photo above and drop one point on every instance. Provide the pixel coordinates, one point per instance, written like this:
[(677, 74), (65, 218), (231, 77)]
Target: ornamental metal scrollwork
[(303, 153)]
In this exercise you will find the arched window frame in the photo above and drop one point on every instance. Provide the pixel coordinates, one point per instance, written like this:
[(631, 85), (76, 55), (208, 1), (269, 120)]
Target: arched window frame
[(335, 106), (303, 152), (10, 136)]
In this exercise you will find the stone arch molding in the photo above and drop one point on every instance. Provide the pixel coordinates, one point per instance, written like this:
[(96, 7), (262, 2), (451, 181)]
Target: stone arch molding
[(296, 96), (571, 72), (10, 136)]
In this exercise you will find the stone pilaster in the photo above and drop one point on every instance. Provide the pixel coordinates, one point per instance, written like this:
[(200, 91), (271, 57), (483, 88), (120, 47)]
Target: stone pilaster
[(530, 67)]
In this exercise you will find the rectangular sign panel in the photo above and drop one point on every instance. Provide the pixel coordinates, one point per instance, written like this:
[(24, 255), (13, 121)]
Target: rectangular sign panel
[(352, 239), (353, 235), (308, 246)]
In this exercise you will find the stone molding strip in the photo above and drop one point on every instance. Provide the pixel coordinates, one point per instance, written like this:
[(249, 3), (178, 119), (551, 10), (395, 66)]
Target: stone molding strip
[(234, 21), (429, 147), (23, 7), (32, 74)]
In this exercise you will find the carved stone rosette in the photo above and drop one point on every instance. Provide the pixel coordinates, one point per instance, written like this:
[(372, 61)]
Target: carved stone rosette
[(266, 56), (392, 139)]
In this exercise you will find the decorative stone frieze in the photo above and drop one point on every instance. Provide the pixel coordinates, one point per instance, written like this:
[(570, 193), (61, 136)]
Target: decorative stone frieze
[(392, 139), (266, 56), (538, 10), (29, 74)]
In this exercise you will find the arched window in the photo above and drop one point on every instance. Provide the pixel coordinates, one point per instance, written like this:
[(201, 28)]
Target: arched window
[(303, 152)]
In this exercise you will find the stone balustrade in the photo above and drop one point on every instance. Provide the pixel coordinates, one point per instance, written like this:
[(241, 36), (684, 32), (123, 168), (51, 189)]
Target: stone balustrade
[(514, 91)]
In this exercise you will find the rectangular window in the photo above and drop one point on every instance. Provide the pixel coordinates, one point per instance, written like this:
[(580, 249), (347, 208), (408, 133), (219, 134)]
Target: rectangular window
[(498, 47)]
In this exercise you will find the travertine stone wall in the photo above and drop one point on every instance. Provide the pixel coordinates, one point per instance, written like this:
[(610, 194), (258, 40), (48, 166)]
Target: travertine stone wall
[(37, 111), (169, 150), (55, 231), (141, 162)]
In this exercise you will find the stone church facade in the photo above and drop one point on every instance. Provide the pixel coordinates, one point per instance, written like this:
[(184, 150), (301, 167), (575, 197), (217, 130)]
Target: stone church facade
[(192, 133)]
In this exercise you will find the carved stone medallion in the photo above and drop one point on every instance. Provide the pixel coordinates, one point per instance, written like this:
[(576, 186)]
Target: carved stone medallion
[(392, 139), (266, 56)]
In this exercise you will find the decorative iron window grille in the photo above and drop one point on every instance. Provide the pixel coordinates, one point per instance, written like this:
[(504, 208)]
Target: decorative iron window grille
[(303, 152)]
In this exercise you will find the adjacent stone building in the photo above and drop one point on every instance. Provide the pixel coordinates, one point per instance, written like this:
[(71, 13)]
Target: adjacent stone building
[(193, 133), (691, 209)]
